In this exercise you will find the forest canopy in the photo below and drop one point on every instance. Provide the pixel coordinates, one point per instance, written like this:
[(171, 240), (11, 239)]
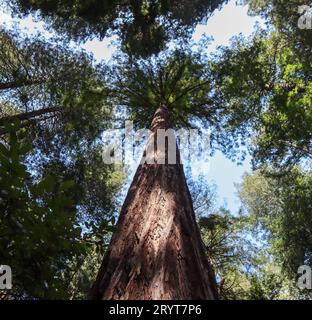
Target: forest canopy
[(73, 227)]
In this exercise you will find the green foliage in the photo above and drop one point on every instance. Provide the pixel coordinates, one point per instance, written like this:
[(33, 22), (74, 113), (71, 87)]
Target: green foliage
[(246, 268), (178, 79), (227, 250), (281, 206), (50, 88), (81, 280), (144, 26), (62, 205), (274, 87), (284, 16), (266, 86), (39, 229), (47, 234)]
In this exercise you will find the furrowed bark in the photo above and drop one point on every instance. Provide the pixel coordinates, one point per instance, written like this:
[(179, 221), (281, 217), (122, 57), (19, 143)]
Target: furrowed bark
[(156, 252)]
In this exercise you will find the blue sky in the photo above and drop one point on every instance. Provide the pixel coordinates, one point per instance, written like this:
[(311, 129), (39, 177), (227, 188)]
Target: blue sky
[(230, 21)]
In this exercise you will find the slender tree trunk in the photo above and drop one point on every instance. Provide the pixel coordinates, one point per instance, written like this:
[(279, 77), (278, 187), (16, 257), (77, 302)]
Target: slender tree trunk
[(16, 84), (28, 118), (156, 251), (29, 115)]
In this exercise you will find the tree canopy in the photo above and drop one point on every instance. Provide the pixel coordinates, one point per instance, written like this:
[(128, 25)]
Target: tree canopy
[(143, 26), (272, 97)]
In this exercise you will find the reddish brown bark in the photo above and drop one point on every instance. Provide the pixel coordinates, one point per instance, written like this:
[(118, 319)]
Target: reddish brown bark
[(156, 252)]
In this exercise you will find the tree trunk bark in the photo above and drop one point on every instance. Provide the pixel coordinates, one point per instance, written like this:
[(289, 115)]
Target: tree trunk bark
[(29, 115), (156, 252)]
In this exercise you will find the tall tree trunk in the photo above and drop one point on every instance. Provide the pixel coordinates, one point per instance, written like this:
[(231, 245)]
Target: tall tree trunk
[(156, 251)]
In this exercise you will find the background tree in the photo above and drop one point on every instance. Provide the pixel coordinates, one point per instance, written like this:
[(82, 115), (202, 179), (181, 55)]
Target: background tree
[(274, 87), (273, 99), (55, 100), (44, 82), (246, 267), (60, 99), (285, 18), (281, 206)]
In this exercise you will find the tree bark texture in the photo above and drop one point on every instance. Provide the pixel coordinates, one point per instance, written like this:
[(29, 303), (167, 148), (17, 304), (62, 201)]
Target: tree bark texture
[(156, 252)]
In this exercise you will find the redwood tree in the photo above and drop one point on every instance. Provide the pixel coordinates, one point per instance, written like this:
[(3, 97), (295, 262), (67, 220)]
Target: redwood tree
[(156, 251)]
